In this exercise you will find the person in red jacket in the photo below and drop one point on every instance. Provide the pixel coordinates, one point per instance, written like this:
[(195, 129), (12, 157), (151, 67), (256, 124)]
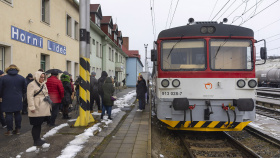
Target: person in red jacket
[(56, 93)]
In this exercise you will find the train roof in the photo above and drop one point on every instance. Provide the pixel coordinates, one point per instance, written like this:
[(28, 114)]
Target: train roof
[(194, 30)]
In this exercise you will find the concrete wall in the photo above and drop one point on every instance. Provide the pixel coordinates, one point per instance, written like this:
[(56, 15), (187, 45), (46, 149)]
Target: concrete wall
[(26, 15)]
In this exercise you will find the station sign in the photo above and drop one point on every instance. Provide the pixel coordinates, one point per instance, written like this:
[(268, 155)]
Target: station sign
[(26, 37), (55, 47)]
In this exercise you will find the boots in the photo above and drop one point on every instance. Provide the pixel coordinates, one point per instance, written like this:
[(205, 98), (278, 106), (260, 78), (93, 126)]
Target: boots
[(110, 118), (16, 131), (65, 116), (101, 117), (39, 142)]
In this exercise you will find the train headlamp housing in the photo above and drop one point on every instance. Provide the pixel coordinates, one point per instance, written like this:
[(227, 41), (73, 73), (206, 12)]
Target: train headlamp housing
[(165, 83), (203, 29), (241, 83), (252, 83), (211, 29), (176, 83)]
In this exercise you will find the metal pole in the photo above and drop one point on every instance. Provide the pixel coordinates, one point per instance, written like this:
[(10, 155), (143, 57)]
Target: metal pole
[(146, 62), (84, 116)]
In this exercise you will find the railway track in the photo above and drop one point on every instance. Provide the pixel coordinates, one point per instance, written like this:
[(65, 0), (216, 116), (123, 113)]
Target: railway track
[(247, 143), (269, 112), (268, 97), (213, 144)]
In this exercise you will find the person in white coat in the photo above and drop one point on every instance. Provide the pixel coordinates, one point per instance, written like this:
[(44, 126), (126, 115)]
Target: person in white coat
[(38, 107)]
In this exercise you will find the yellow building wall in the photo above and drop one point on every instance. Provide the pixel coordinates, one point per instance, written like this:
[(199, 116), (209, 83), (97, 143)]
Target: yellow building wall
[(26, 15)]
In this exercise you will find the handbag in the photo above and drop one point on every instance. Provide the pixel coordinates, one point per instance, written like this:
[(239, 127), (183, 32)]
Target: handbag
[(113, 98)]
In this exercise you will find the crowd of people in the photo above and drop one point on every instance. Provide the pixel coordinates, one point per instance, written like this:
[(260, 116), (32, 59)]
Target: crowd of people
[(42, 97)]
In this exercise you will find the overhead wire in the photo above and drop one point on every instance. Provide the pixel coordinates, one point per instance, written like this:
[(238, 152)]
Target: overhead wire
[(220, 10), (174, 13), (235, 9), (213, 10), (268, 25), (258, 12), (152, 15), (246, 12), (226, 10), (168, 14), (154, 19)]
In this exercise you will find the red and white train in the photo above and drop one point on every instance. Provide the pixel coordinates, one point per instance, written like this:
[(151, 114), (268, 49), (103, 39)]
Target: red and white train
[(204, 77)]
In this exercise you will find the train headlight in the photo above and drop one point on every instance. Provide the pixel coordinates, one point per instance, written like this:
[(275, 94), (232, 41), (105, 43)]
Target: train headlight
[(211, 29), (175, 83), (241, 83), (165, 83), (203, 30), (252, 83)]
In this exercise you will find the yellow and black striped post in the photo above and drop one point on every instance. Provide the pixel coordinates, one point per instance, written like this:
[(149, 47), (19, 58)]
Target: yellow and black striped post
[(85, 116)]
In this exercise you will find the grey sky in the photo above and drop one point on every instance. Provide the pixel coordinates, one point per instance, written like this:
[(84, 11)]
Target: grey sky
[(135, 21)]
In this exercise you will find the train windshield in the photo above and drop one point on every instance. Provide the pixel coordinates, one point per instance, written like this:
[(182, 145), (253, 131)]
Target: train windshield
[(183, 55), (229, 54)]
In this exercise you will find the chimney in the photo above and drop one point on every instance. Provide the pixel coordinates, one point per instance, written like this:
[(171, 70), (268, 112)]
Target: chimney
[(126, 42)]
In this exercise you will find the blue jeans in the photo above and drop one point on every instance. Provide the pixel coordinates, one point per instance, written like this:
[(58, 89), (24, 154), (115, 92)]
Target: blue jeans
[(9, 120), (142, 103), (108, 109)]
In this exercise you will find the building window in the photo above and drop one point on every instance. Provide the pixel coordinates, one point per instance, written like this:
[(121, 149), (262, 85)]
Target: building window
[(68, 25), (112, 55), (68, 66), (76, 75), (109, 53), (93, 69), (43, 62), (109, 30), (46, 11), (121, 59), (76, 31), (101, 54), (97, 20), (97, 49), (2, 58), (115, 37), (93, 41)]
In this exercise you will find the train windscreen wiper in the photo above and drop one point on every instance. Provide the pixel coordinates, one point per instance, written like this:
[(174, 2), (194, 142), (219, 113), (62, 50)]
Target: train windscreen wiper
[(175, 45), (225, 41)]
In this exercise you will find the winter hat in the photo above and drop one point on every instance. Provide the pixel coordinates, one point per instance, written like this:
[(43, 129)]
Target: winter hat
[(29, 75), (93, 73), (12, 66), (65, 78), (1, 72)]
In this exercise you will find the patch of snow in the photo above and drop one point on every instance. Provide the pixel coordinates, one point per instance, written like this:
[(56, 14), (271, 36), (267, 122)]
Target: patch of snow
[(31, 149), (161, 155), (76, 145), (18, 156), (54, 130), (124, 102), (72, 120), (96, 113), (45, 145)]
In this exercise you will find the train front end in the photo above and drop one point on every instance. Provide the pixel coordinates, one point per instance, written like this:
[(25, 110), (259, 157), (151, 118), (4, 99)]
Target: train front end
[(205, 77)]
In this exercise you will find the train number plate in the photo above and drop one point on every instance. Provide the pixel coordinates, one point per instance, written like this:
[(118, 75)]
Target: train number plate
[(171, 93)]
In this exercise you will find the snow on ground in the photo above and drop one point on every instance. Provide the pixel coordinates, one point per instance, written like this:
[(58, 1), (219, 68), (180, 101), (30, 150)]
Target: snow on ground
[(54, 130), (72, 120), (77, 144), (161, 155), (271, 63), (31, 149), (267, 125)]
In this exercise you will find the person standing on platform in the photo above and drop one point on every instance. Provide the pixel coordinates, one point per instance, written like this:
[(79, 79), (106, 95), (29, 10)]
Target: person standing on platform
[(12, 88), (141, 89), (66, 101), (38, 108), (94, 93), (101, 81), (56, 93), (28, 79), (2, 119), (108, 90)]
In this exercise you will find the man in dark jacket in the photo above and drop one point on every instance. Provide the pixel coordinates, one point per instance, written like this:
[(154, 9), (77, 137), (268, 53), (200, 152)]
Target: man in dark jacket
[(2, 119), (12, 88), (101, 81), (56, 93), (94, 93), (141, 89), (28, 79)]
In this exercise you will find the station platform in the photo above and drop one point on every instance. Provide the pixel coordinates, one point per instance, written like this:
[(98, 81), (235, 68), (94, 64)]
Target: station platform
[(128, 135), (133, 137)]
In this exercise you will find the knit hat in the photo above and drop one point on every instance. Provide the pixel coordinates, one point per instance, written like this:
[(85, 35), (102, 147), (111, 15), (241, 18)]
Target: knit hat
[(65, 78), (29, 75), (1, 72), (93, 73)]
